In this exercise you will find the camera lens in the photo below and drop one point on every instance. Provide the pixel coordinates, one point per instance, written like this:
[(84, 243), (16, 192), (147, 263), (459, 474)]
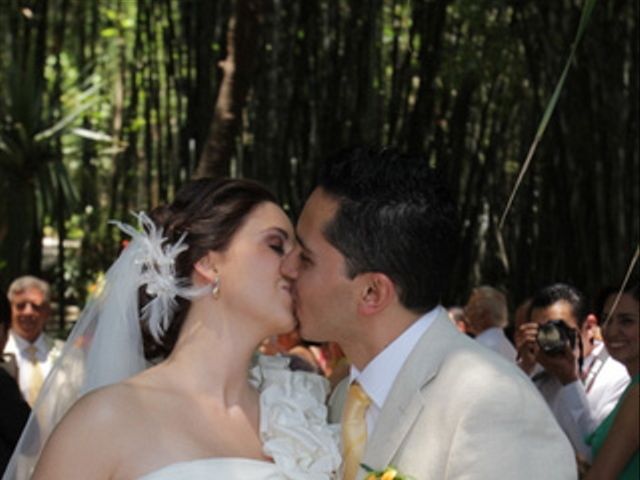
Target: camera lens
[(554, 336)]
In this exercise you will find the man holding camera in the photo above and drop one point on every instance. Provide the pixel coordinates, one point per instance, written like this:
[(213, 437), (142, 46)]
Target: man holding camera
[(552, 348)]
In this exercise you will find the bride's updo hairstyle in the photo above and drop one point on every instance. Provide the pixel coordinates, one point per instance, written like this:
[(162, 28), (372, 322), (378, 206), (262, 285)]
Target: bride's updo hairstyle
[(210, 211)]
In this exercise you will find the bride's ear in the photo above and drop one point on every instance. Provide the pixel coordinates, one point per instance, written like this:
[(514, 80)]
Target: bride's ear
[(205, 268)]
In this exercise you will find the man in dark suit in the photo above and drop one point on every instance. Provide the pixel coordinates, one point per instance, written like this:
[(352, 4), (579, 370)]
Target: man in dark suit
[(14, 411)]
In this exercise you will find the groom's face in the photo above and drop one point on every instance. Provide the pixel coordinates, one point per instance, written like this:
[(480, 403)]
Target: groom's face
[(324, 295)]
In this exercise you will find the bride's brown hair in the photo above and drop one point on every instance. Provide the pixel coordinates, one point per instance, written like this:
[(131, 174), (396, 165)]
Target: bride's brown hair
[(210, 211)]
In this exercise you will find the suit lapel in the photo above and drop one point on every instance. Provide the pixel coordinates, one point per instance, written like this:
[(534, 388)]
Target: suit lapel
[(405, 401)]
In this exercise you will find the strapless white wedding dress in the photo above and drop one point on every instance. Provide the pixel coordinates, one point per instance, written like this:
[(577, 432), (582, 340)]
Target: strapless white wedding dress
[(293, 430)]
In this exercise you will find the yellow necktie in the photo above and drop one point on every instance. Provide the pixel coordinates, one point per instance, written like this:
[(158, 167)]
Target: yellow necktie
[(354, 429), (35, 381)]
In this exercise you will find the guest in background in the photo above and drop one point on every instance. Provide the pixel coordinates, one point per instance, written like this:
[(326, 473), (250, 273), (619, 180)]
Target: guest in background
[(291, 345), (519, 317), (558, 374), (332, 360), (459, 319), (604, 377), (35, 351), (616, 441), (521, 314), (487, 316)]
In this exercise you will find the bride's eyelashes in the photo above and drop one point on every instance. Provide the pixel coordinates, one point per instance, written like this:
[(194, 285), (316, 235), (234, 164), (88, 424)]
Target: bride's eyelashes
[(277, 244), (278, 248)]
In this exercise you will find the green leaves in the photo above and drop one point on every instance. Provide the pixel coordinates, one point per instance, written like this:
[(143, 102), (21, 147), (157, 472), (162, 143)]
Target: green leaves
[(35, 181)]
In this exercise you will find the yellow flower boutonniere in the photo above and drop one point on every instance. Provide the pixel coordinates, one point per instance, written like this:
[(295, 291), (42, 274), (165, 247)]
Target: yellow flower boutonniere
[(388, 473)]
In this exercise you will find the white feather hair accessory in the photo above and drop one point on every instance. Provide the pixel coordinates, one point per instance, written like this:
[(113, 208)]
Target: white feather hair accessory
[(156, 258)]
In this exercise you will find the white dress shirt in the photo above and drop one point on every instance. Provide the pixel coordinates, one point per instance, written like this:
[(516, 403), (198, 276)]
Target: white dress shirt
[(495, 339), (378, 376), (609, 381), (579, 411), (47, 350)]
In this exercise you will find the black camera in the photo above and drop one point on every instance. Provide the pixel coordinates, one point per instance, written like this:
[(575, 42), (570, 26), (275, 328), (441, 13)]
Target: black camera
[(555, 335)]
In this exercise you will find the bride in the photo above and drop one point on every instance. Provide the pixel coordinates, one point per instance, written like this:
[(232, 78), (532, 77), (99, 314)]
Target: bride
[(194, 293)]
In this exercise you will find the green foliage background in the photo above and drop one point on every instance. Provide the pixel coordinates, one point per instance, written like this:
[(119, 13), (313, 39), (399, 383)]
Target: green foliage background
[(106, 105)]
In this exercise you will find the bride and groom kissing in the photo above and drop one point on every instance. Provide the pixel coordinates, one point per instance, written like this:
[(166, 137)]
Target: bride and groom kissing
[(153, 381)]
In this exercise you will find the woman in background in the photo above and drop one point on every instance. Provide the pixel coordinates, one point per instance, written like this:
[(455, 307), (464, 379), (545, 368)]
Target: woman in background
[(616, 442)]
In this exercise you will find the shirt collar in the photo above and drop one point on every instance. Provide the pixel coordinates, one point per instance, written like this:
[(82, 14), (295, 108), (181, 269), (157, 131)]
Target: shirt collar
[(491, 333), (378, 376), (22, 344)]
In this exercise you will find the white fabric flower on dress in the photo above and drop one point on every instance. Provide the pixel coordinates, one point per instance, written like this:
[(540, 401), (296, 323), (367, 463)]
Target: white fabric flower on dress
[(293, 421)]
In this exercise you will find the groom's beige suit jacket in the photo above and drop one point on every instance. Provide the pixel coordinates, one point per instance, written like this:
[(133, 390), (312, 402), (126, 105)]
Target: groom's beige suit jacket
[(459, 411)]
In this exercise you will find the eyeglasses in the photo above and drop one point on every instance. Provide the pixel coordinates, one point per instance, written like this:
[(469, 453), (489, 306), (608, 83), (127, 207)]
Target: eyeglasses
[(36, 307)]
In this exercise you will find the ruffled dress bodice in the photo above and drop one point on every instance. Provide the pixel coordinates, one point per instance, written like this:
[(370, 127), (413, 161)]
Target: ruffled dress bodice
[(293, 430)]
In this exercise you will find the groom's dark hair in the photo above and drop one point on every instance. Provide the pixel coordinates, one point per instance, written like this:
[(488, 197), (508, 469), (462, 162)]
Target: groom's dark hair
[(395, 216)]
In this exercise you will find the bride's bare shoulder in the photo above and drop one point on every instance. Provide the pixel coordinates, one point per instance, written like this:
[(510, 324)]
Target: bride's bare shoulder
[(103, 409), (108, 404), (124, 403), (91, 433)]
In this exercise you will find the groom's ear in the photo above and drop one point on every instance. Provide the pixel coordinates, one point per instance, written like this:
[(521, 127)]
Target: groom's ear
[(205, 268), (377, 291)]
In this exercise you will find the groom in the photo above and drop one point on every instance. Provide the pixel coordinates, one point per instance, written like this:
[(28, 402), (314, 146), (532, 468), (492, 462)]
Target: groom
[(377, 239)]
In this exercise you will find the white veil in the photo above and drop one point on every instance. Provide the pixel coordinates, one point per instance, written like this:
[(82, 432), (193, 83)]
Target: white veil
[(105, 345)]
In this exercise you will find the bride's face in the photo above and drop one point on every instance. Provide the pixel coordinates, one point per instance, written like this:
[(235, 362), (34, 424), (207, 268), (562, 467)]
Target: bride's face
[(251, 285)]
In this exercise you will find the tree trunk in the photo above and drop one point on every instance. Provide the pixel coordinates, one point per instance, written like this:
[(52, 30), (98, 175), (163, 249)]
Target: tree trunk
[(237, 70)]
